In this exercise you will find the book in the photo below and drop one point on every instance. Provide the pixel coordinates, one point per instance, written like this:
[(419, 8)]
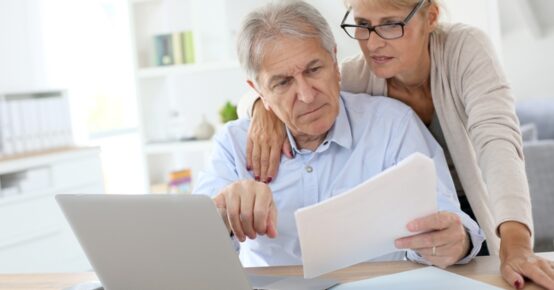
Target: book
[(6, 128), (16, 125), (178, 48), (163, 49), (188, 46)]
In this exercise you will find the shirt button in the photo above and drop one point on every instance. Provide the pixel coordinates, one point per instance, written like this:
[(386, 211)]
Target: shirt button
[(309, 169)]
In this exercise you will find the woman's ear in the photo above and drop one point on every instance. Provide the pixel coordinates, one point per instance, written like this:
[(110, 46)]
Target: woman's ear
[(337, 64), (433, 15)]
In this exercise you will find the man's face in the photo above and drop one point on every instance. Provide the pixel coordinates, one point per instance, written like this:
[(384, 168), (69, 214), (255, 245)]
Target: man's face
[(299, 82)]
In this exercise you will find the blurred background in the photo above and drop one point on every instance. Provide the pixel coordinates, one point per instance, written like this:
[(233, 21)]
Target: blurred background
[(122, 96)]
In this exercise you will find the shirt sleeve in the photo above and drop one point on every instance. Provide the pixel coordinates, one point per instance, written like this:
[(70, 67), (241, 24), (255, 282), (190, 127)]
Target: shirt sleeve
[(413, 137), (493, 127), (246, 104), (220, 172), (221, 169)]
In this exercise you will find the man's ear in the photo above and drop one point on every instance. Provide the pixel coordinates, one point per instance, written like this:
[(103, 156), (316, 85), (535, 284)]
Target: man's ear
[(253, 86)]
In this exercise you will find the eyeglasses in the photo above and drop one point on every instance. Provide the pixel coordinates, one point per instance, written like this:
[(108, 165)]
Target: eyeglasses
[(386, 31)]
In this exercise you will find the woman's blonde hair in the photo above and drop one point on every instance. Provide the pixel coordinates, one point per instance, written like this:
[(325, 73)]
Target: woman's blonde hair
[(395, 3)]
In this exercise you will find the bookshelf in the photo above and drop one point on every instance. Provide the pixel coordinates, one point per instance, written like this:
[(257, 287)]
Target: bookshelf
[(165, 71), (173, 99)]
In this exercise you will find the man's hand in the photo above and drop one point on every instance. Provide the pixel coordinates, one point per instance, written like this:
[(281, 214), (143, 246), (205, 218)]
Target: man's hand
[(247, 209), (443, 242)]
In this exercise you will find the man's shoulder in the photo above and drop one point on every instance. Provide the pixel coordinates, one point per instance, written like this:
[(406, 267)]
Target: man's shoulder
[(367, 105), (235, 131)]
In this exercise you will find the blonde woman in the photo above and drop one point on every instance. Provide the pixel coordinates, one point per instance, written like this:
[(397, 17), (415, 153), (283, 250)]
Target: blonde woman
[(450, 76)]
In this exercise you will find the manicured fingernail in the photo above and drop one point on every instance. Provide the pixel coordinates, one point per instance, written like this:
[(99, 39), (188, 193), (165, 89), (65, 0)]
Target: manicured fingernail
[(269, 179), (257, 178), (517, 284), (248, 168)]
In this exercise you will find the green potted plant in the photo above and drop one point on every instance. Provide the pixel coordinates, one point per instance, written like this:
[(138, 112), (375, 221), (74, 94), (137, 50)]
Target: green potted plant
[(228, 112)]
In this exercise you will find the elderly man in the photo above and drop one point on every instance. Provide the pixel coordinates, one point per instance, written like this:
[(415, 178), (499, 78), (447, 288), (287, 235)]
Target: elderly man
[(289, 54)]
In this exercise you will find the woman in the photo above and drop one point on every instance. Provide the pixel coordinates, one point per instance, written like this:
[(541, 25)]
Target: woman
[(451, 78)]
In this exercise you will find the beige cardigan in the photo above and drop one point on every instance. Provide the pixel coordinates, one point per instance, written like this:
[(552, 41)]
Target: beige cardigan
[(476, 111), (475, 107)]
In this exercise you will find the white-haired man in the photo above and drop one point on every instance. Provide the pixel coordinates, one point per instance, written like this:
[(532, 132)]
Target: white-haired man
[(289, 54)]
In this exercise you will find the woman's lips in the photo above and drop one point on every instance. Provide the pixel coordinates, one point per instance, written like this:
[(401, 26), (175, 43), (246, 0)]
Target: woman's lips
[(381, 59)]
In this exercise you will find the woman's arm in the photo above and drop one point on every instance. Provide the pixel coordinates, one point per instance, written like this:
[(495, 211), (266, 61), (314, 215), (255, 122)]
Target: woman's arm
[(493, 128), (267, 139)]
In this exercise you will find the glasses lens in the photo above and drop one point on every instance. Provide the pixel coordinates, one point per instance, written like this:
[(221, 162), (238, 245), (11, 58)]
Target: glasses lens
[(389, 31), (357, 32)]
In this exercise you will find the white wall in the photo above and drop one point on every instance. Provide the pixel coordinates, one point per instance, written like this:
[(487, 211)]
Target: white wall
[(22, 66), (528, 43), (53, 44), (478, 13), (529, 64)]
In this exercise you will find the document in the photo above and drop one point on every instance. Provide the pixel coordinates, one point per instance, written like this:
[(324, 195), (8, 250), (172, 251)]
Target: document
[(289, 283), (362, 223), (428, 278)]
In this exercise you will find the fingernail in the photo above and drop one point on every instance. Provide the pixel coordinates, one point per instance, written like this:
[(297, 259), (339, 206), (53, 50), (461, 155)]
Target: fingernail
[(269, 179), (248, 168), (517, 284), (257, 178), (412, 226)]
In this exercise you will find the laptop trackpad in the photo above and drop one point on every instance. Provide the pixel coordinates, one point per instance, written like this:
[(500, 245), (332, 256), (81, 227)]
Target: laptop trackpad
[(289, 283)]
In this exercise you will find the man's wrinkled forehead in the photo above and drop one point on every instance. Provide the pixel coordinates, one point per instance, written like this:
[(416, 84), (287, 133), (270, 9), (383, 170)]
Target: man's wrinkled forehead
[(277, 64)]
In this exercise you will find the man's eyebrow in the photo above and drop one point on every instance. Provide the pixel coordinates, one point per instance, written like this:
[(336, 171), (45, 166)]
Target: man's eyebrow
[(280, 77), (312, 63), (276, 78)]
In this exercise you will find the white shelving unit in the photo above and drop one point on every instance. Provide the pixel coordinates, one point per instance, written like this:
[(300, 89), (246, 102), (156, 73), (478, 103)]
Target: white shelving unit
[(173, 99), (35, 236), (161, 72)]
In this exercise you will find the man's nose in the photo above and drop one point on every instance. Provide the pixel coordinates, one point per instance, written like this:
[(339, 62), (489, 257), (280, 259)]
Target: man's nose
[(306, 92), (374, 42)]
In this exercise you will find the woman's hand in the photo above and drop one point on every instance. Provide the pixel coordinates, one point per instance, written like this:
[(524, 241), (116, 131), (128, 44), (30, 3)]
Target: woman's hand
[(443, 242), (267, 138), (518, 260)]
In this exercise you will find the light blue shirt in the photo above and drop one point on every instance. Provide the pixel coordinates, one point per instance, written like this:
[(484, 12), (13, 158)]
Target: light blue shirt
[(369, 135)]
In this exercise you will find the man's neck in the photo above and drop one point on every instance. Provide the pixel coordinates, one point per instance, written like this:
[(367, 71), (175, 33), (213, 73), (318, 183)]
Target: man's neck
[(308, 142)]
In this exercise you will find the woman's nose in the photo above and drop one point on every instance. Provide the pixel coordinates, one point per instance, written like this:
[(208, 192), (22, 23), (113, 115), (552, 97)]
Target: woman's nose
[(374, 42)]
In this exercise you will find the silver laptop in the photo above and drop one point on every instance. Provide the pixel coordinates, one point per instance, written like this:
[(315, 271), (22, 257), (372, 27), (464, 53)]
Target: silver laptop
[(162, 242)]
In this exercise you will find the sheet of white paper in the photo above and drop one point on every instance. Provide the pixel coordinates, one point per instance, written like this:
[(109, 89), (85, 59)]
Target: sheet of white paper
[(289, 283), (363, 223), (428, 278)]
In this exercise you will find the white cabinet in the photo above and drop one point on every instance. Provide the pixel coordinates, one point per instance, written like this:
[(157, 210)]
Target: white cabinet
[(173, 99), (34, 235)]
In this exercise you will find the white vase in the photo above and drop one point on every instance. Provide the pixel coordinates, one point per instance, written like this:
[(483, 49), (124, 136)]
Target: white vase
[(204, 130)]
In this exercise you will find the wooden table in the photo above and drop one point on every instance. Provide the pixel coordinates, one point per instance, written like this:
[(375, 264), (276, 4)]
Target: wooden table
[(484, 269)]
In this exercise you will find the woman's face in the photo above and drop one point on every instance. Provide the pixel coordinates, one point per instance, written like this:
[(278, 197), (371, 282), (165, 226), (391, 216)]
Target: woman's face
[(401, 56)]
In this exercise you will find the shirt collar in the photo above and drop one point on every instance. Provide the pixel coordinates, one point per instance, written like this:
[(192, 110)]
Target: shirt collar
[(340, 133)]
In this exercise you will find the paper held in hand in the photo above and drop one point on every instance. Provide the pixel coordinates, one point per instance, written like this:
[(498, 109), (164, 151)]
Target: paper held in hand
[(362, 223)]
